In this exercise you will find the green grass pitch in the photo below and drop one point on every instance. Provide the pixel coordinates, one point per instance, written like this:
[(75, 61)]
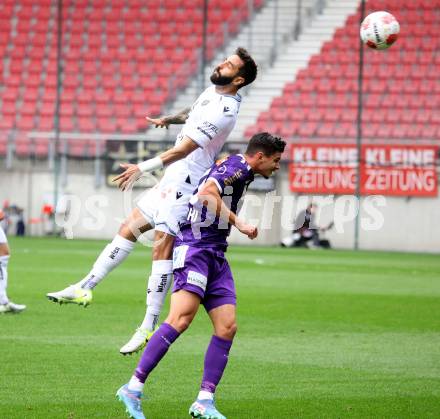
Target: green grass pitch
[(321, 334)]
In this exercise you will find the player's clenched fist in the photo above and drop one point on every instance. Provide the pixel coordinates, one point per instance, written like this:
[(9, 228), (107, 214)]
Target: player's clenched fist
[(248, 229)]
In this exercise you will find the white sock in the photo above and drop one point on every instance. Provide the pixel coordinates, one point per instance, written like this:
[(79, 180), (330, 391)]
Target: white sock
[(205, 395), (111, 257), (158, 285), (4, 279), (135, 385)]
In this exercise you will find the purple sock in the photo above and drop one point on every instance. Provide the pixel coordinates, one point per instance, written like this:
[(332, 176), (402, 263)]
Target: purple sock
[(216, 358), (156, 349)]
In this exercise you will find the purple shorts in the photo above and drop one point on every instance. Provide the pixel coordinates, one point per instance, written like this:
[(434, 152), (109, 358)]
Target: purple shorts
[(204, 272)]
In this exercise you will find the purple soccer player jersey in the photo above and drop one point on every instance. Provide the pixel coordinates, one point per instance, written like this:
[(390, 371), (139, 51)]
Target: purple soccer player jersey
[(202, 227)]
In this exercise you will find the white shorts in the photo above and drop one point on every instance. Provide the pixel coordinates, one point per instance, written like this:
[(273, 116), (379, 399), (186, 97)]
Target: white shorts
[(166, 205), (3, 238)]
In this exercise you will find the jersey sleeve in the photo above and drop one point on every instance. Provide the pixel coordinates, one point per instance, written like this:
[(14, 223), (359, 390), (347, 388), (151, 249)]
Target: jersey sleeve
[(203, 131)]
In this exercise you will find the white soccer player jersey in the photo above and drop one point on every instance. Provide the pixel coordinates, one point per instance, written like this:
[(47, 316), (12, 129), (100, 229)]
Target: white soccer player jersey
[(209, 123), (3, 238)]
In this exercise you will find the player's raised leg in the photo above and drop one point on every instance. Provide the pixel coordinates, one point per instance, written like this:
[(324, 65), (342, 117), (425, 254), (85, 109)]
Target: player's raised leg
[(184, 306), (216, 359), (159, 283), (111, 257)]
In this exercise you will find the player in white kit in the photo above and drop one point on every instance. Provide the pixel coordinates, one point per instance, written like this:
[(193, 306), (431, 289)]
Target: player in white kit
[(6, 306), (206, 128)]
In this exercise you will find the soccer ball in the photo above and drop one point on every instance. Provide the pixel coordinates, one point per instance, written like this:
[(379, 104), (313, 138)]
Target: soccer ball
[(379, 30)]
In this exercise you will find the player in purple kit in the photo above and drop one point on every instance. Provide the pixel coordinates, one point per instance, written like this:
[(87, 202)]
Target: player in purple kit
[(202, 274)]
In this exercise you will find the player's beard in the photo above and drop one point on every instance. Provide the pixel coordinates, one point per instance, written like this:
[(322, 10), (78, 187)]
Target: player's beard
[(219, 80)]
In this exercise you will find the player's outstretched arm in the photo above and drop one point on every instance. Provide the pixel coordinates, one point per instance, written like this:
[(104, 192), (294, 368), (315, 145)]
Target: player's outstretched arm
[(166, 121), (132, 172), (210, 197)]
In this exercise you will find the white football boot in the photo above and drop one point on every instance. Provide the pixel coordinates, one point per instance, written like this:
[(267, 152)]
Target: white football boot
[(11, 308), (137, 341), (72, 294)]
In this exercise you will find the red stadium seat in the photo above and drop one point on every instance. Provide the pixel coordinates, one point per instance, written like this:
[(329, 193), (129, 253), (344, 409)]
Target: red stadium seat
[(106, 125), (23, 146), (45, 123), (7, 122), (67, 124), (41, 147), (307, 129), (369, 130), (345, 130), (77, 148), (349, 115), (429, 132), (310, 114), (435, 116), (26, 123), (326, 130), (422, 117), (414, 131), (399, 131), (67, 110), (8, 108), (86, 125), (332, 115)]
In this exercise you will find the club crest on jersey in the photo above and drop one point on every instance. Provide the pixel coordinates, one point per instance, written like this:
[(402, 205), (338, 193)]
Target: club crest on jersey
[(208, 129), (221, 170)]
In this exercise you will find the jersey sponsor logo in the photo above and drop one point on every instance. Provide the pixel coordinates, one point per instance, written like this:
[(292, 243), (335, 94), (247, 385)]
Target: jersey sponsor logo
[(208, 129), (197, 279), (231, 179), (205, 102)]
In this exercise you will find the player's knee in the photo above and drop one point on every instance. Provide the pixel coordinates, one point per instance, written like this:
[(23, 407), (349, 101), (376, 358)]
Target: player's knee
[(132, 229), (232, 331), (180, 323), (227, 331), (134, 225), (127, 232), (4, 250)]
